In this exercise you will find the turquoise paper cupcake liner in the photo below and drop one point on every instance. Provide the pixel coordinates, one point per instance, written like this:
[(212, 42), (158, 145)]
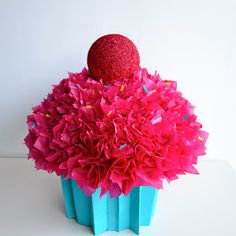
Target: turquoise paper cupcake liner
[(114, 214)]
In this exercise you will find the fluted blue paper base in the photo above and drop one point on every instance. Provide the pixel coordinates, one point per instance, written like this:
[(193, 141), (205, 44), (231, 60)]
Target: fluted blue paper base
[(115, 214)]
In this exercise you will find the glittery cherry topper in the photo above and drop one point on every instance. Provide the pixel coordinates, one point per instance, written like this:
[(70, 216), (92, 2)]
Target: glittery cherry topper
[(112, 57)]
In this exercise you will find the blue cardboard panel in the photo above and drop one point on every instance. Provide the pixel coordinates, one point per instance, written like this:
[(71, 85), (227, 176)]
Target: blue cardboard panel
[(107, 213), (135, 209), (99, 212), (82, 205), (148, 196), (124, 212), (154, 202), (68, 197), (112, 213)]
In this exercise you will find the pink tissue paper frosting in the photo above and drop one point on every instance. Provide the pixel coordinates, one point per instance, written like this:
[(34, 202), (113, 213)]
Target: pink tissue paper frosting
[(129, 133)]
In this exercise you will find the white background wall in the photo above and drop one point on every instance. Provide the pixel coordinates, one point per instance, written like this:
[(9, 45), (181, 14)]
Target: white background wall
[(192, 42)]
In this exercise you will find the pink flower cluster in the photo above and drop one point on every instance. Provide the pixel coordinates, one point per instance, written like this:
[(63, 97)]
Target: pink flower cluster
[(129, 133)]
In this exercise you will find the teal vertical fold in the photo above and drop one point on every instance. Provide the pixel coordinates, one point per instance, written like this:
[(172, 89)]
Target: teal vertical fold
[(147, 198), (82, 205), (108, 213), (135, 209), (154, 202), (112, 213), (99, 212), (124, 212), (68, 197)]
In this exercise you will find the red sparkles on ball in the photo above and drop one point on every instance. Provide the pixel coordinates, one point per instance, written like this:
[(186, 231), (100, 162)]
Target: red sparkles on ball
[(112, 57)]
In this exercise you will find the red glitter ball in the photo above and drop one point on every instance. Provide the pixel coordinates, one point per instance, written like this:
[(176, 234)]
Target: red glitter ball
[(112, 57)]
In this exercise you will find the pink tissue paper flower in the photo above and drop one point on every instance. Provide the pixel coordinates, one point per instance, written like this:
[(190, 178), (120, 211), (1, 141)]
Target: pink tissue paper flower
[(130, 133)]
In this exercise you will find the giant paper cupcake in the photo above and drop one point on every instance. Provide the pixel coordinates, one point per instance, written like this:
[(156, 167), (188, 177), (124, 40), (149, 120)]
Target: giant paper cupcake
[(114, 132)]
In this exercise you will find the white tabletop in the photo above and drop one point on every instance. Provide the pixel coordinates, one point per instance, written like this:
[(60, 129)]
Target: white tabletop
[(31, 203)]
